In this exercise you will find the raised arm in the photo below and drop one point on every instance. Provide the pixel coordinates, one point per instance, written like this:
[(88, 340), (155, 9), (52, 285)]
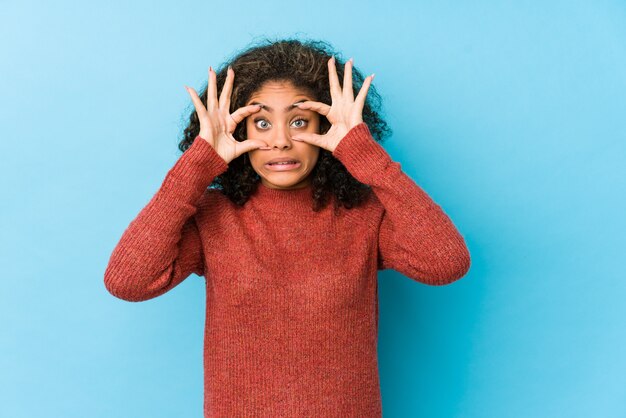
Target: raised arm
[(416, 237), (161, 246)]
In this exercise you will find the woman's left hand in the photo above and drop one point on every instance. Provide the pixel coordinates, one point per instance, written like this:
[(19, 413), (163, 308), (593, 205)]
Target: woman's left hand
[(344, 113)]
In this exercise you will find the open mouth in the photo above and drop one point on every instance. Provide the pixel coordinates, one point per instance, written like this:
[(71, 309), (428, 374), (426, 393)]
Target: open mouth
[(283, 165)]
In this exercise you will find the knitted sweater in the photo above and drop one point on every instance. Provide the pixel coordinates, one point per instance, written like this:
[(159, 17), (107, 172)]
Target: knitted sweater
[(291, 295)]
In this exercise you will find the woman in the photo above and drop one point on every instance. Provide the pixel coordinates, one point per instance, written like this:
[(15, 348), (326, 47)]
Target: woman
[(291, 281)]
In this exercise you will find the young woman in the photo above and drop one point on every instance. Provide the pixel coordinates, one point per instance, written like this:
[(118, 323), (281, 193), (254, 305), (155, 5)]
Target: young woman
[(291, 280)]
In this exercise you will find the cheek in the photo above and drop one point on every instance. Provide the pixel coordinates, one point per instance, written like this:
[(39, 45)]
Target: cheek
[(313, 154), (255, 159)]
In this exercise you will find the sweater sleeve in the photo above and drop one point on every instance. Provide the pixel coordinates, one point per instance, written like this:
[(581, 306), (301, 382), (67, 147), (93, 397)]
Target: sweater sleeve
[(415, 236), (161, 246)]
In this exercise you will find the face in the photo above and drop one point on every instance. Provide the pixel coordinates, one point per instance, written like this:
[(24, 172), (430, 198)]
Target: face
[(275, 123)]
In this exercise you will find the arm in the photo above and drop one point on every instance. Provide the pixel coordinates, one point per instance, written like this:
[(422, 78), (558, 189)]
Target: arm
[(416, 237), (161, 246)]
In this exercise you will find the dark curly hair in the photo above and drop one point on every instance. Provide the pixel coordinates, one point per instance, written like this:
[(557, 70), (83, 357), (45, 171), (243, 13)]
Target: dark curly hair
[(304, 64)]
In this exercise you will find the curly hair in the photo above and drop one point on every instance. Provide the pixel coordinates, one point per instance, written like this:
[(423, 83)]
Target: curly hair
[(304, 65)]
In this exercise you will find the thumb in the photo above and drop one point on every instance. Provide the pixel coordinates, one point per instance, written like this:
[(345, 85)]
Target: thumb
[(311, 138), (250, 145)]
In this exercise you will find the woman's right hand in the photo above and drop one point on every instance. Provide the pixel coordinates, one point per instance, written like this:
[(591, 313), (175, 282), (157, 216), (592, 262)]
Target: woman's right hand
[(217, 124)]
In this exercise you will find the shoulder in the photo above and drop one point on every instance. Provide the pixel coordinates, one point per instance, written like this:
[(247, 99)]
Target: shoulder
[(368, 212), (210, 196), (215, 211), (213, 200), (372, 204)]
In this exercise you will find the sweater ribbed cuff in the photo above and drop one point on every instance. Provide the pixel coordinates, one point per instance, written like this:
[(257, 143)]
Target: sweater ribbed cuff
[(361, 154), (195, 169)]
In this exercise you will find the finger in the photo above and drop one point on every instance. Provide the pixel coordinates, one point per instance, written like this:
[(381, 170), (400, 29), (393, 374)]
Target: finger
[(360, 98), (211, 97), (348, 93), (251, 145), (200, 110), (311, 138), (335, 89), (319, 107), (243, 112), (226, 90)]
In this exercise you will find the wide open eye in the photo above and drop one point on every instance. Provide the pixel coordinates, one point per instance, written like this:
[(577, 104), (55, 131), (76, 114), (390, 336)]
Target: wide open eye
[(303, 124), (256, 123)]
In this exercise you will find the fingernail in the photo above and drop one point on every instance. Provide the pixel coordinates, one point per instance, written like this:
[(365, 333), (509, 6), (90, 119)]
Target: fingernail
[(373, 74), (230, 67), (210, 68), (351, 60)]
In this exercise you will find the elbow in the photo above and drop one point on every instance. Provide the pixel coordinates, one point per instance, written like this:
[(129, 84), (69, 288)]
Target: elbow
[(461, 265), (120, 291), (453, 266), (128, 278), (123, 288)]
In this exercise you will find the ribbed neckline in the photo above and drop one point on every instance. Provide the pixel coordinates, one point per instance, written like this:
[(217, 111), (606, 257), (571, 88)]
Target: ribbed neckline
[(281, 200)]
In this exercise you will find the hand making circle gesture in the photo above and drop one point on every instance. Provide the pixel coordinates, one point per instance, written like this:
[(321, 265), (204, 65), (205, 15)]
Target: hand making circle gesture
[(217, 124), (344, 113)]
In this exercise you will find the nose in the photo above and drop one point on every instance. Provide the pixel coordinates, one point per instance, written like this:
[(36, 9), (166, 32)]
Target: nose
[(282, 138)]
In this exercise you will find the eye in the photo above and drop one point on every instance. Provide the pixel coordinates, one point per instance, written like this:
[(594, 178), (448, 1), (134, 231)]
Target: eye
[(305, 121), (256, 122)]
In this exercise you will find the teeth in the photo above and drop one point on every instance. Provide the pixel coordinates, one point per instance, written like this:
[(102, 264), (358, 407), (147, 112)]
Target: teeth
[(284, 162)]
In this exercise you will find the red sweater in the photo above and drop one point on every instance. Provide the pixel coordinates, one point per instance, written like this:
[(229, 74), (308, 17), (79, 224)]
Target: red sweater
[(291, 295)]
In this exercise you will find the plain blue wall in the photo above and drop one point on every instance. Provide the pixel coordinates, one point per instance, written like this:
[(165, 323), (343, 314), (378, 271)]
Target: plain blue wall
[(509, 114)]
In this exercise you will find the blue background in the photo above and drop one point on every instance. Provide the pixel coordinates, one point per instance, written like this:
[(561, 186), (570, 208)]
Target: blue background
[(509, 114)]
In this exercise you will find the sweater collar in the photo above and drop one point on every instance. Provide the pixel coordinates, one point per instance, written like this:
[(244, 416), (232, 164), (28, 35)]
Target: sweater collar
[(283, 200)]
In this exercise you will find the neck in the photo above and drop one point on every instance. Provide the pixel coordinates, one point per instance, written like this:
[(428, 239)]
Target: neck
[(284, 200)]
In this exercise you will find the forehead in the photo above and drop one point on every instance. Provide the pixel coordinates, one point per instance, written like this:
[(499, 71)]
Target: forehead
[(278, 90)]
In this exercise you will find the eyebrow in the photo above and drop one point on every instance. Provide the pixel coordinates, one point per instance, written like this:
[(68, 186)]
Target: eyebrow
[(287, 109)]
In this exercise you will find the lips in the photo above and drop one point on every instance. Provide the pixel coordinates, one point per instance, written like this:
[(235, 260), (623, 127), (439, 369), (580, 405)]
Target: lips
[(282, 164), (282, 159)]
